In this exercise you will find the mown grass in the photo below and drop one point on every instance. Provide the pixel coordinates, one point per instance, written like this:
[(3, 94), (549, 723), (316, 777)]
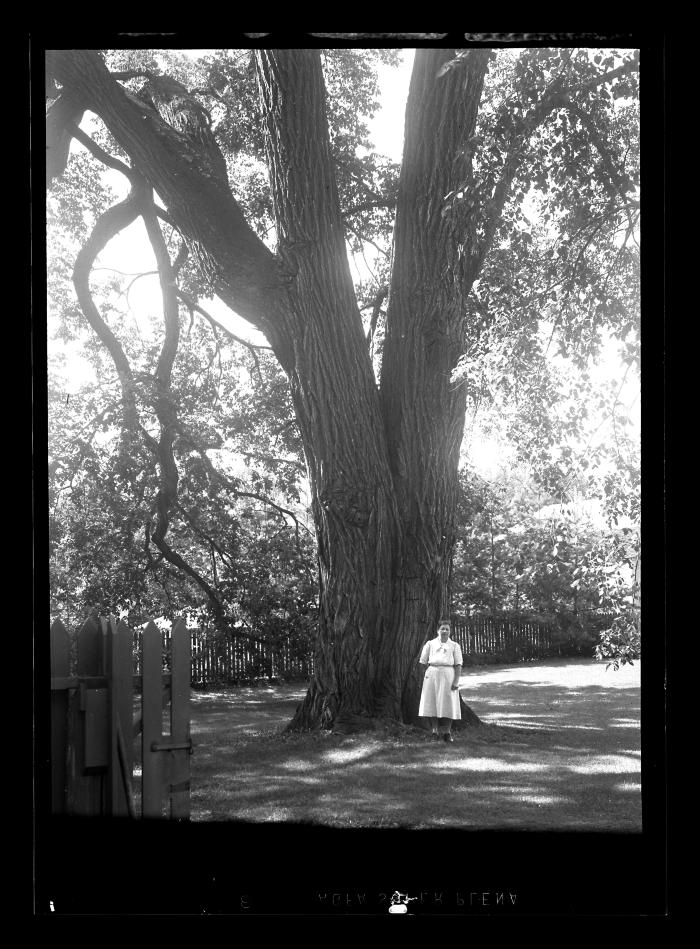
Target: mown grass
[(559, 750)]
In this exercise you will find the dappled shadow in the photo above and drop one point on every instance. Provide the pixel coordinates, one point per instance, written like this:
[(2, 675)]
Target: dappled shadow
[(578, 701), (246, 710), (566, 757)]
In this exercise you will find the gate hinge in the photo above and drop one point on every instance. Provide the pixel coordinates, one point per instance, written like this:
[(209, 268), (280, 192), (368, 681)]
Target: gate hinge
[(172, 745)]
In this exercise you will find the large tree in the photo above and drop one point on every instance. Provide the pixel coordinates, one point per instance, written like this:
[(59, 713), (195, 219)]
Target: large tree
[(381, 453)]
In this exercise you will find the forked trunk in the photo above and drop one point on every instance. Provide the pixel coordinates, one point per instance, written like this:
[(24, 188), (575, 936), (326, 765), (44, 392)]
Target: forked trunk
[(382, 466), (382, 462)]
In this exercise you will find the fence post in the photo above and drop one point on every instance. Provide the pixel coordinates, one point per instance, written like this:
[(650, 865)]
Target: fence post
[(88, 755), (179, 777), (152, 717), (119, 663), (60, 667)]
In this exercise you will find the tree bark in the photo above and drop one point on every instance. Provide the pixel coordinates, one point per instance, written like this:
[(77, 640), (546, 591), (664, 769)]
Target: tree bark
[(335, 399), (383, 480), (433, 269)]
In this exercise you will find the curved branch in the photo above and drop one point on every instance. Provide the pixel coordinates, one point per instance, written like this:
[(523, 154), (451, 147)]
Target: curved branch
[(177, 561), (191, 180), (164, 404), (114, 220), (201, 533), (99, 152), (192, 304), (169, 294)]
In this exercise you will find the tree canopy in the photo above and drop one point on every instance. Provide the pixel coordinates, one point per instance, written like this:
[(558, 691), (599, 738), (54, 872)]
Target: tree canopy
[(201, 472)]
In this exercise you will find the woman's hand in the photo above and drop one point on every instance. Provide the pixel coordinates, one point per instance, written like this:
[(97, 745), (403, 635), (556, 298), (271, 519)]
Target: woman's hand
[(455, 687)]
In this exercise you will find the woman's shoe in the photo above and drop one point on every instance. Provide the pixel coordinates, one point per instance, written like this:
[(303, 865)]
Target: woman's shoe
[(434, 736), (448, 737)]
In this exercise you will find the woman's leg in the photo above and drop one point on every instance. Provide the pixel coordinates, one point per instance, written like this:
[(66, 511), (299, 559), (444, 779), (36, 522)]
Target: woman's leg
[(434, 725)]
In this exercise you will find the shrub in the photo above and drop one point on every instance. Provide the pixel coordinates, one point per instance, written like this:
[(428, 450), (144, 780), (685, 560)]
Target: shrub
[(621, 641)]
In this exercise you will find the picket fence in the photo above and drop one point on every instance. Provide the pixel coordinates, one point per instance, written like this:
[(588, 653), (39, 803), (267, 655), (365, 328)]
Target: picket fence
[(97, 715), (238, 659), (511, 638)]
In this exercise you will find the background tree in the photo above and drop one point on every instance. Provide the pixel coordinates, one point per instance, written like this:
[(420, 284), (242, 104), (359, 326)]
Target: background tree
[(381, 454)]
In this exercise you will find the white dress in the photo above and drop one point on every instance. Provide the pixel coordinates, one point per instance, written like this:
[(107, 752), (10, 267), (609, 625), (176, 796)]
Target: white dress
[(437, 699)]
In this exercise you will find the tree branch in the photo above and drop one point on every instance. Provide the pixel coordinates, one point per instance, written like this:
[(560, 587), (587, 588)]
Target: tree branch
[(625, 69), (368, 240), (99, 152), (555, 96), (165, 409), (177, 561), (114, 220), (369, 205), (381, 296), (133, 74), (271, 460), (620, 186), (191, 180), (192, 304), (63, 115), (230, 486), (194, 524)]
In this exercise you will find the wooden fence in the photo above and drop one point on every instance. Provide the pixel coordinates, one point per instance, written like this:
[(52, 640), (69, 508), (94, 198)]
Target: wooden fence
[(94, 721), (508, 639), (243, 659), (512, 638), (237, 659)]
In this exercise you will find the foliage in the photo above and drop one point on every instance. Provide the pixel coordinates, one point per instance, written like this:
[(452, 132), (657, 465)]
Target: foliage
[(258, 560), (515, 550), (621, 643), (560, 279)]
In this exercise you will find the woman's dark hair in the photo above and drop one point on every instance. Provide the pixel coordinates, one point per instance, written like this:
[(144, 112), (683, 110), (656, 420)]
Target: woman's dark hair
[(445, 619)]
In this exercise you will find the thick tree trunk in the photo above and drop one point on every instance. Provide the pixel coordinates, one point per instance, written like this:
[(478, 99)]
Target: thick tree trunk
[(384, 567), (423, 412), (335, 399)]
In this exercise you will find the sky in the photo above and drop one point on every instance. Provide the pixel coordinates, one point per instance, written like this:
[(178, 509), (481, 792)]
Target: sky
[(131, 253)]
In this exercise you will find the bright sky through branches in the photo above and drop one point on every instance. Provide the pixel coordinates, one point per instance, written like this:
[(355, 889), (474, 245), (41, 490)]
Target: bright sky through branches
[(130, 253)]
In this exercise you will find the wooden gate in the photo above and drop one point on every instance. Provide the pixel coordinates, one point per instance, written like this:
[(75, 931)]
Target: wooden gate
[(94, 723)]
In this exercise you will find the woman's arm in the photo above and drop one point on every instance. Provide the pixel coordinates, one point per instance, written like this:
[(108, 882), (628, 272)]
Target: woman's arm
[(458, 673)]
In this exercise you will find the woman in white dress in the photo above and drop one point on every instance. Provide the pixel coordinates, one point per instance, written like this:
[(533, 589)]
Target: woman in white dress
[(439, 700)]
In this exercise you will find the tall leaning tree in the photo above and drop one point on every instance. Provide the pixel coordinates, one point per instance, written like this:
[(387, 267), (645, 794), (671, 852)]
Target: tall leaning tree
[(381, 455)]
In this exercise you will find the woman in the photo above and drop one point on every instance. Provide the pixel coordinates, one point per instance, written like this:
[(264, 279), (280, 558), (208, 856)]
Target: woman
[(439, 700)]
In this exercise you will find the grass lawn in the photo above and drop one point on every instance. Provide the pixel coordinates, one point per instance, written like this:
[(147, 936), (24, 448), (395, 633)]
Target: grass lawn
[(560, 750)]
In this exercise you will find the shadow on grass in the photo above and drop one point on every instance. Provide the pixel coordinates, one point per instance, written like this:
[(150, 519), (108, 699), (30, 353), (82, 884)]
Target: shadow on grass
[(558, 752)]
